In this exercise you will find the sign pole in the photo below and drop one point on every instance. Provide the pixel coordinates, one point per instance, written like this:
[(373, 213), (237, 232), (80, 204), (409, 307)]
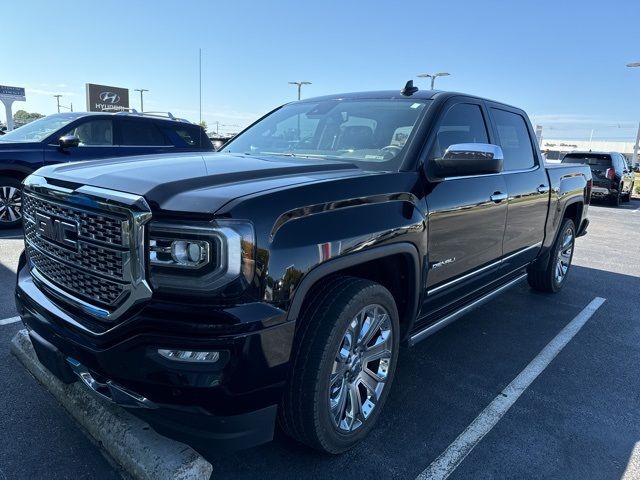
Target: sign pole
[(7, 107), (634, 160)]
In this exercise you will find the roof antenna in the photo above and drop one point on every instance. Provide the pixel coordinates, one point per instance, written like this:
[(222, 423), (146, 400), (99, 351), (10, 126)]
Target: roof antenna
[(409, 89)]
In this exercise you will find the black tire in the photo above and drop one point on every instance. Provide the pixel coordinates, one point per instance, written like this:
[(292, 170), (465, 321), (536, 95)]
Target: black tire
[(627, 196), (10, 203), (615, 199), (546, 280), (325, 321)]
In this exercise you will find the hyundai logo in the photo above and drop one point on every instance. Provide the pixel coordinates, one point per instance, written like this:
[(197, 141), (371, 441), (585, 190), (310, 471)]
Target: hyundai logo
[(57, 230), (109, 97)]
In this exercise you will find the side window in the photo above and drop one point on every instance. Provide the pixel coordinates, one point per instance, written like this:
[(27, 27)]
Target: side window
[(136, 133), (513, 137), (190, 136), (463, 123), (94, 133)]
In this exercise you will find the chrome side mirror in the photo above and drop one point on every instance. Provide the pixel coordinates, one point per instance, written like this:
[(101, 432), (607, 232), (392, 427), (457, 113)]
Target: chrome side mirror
[(469, 159)]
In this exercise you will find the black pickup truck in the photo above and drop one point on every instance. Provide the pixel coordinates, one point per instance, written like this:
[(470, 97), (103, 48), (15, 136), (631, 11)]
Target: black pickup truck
[(217, 295)]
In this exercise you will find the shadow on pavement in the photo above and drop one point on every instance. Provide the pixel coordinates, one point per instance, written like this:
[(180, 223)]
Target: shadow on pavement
[(443, 383)]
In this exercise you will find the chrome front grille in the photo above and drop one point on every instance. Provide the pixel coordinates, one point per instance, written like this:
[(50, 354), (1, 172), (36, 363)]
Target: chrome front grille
[(86, 246), (89, 287), (92, 226)]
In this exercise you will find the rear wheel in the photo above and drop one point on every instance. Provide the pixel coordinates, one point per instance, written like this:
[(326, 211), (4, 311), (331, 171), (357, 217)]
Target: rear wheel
[(615, 199), (553, 277), (10, 202), (342, 365)]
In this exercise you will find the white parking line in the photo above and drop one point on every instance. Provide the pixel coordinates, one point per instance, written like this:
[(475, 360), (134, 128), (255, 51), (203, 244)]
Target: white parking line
[(7, 321), (452, 457)]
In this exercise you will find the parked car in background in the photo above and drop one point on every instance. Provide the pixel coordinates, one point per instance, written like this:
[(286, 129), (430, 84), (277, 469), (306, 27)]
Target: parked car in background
[(612, 178), (71, 137), (220, 140), (277, 277)]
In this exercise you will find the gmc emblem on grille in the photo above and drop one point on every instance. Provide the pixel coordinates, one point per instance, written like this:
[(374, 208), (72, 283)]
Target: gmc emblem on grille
[(57, 230)]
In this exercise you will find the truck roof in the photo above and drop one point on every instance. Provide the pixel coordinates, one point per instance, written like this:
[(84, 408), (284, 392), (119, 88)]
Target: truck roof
[(393, 94)]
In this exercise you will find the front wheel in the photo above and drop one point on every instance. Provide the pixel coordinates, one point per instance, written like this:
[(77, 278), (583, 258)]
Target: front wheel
[(553, 277), (343, 364), (10, 202)]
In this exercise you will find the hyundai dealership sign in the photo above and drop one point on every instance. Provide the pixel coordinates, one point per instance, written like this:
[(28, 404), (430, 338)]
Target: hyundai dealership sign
[(12, 93), (101, 98)]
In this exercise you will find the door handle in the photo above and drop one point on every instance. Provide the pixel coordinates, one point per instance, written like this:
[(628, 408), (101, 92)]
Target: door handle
[(543, 189), (498, 197)]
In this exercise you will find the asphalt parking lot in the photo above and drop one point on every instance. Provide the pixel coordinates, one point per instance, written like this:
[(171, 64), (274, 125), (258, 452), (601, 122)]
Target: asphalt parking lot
[(577, 419)]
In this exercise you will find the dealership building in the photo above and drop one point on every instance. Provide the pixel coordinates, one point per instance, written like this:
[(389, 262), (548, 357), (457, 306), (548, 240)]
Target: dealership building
[(554, 149)]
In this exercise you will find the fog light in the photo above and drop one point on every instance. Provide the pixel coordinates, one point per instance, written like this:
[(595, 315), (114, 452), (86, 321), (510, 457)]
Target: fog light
[(189, 356)]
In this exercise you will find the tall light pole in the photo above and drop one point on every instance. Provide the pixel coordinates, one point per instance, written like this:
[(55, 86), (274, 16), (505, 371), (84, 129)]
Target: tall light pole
[(141, 90), (58, 101), (634, 159), (299, 84), (433, 76)]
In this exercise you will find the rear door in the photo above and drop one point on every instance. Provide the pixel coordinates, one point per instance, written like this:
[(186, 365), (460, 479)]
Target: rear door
[(527, 184), (465, 226), (140, 136)]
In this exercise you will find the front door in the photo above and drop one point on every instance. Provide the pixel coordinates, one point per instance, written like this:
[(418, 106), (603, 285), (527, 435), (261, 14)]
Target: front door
[(96, 141), (466, 215)]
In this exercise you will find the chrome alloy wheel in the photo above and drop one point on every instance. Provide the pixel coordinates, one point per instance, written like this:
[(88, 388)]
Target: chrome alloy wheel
[(563, 259), (10, 204), (360, 368)]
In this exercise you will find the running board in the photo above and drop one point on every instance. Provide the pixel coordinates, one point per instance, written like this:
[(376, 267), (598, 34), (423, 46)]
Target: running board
[(452, 317)]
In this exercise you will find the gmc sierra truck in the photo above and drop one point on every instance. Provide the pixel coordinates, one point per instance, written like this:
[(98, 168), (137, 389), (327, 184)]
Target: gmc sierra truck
[(272, 283)]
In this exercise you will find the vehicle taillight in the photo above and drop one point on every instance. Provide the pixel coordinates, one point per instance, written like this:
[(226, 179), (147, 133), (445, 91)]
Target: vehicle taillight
[(587, 192), (610, 174)]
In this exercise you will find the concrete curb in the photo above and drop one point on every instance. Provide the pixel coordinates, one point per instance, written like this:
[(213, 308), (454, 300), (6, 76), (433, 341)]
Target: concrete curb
[(140, 451)]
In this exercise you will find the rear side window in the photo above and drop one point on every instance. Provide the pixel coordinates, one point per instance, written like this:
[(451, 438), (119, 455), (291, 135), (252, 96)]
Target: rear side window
[(190, 136), (513, 137), (463, 123), (141, 134)]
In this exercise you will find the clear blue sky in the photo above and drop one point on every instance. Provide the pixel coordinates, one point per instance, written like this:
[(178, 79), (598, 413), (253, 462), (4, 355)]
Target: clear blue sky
[(562, 61)]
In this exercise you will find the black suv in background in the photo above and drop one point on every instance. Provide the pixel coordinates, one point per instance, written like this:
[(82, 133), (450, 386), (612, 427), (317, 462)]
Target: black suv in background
[(71, 137), (612, 177)]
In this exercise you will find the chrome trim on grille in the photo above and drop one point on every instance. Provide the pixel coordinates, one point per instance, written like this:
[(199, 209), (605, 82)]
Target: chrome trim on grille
[(91, 206)]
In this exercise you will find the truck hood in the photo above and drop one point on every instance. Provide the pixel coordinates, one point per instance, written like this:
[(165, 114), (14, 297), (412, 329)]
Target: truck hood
[(197, 183)]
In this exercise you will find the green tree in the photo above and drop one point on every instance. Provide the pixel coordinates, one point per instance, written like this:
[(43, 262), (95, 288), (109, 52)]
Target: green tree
[(22, 116), (203, 124)]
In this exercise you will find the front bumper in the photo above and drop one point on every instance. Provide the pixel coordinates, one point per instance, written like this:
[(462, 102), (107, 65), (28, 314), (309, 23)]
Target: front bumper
[(218, 407)]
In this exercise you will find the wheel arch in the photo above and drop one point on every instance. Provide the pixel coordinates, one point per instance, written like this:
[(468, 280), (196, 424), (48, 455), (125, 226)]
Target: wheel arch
[(395, 266)]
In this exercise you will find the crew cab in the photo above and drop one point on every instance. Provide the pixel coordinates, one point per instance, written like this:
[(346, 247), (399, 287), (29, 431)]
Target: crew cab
[(273, 282), (75, 136), (613, 179)]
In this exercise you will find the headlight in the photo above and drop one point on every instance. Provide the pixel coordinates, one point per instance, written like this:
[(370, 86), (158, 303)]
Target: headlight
[(197, 258)]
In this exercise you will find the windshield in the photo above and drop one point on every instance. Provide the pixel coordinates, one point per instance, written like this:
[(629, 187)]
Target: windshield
[(370, 133), (37, 130)]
